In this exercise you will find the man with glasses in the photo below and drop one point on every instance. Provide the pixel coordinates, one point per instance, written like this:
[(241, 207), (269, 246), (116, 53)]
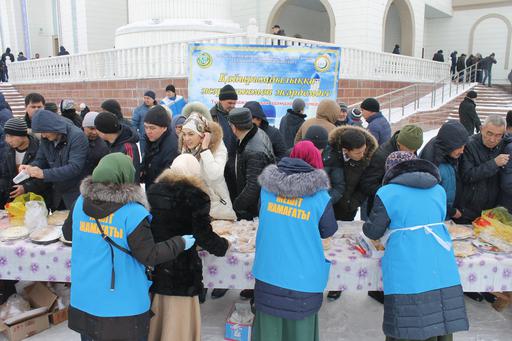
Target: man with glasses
[(481, 162)]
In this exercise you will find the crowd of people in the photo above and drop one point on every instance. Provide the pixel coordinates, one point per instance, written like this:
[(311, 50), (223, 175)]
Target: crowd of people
[(482, 73), (227, 162)]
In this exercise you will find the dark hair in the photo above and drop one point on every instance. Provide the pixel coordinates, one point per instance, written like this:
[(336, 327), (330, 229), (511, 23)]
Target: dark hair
[(34, 97), (352, 139), (170, 87), (509, 119), (276, 26)]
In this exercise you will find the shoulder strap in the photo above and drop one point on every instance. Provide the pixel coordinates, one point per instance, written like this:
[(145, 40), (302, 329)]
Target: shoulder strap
[(110, 241)]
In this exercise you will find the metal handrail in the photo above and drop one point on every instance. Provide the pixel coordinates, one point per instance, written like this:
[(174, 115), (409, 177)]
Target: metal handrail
[(464, 77)]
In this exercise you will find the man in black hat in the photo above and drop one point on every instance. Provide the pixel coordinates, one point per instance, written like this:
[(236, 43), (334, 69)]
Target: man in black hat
[(119, 137), (114, 107), (20, 149), (468, 115), (148, 101), (377, 123), (172, 101)]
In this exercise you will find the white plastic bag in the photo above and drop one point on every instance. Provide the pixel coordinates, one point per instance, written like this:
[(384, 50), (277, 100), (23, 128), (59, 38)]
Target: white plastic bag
[(36, 215)]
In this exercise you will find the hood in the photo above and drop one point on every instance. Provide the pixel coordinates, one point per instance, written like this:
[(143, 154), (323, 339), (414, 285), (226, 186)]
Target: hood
[(293, 178), (175, 120), (127, 135), (256, 110), (371, 141), (303, 116), (196, 107), (328, 110), (451, 136), (416, 173), (172, 177), (45, 121), (103, 199)]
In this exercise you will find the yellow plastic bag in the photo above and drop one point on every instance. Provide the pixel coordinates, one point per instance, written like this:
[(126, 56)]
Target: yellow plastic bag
[(497, 222), (16, 208)]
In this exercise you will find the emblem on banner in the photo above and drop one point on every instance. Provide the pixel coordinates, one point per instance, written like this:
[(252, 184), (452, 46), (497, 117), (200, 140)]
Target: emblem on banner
[(204, 60), (322, 63)]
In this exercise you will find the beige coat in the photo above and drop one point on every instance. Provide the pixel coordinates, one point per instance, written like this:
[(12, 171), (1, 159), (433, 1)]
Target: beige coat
[(326, 115)]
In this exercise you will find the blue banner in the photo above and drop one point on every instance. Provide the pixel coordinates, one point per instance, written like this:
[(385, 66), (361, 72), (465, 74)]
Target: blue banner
[(271, 75)]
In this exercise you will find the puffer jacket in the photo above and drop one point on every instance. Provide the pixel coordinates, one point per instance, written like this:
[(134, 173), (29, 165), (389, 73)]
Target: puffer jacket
[(158, 156), (352, 197), (253, 154), (180, 205), (413, 313), (379, 126), (62, 163), (289, 125)]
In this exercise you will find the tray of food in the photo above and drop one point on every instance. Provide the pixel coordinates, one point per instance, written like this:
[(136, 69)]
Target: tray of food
[(46, 235), (464, 248), (487, 247), (459, 232), (57, 218), (13, 233)]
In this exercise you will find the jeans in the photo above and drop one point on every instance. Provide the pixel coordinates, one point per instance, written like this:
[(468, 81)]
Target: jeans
[(487, 73)]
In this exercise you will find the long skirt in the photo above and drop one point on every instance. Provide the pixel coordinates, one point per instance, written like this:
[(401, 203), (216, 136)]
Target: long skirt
[(176, 318), (448, 337), (271, 328)]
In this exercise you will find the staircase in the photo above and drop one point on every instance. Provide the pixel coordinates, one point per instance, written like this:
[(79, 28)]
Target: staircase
[(13, 97), (495, 100)]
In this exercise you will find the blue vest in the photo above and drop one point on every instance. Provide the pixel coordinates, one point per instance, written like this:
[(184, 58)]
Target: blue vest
[(289, 252), (91, 264), (414, 262)]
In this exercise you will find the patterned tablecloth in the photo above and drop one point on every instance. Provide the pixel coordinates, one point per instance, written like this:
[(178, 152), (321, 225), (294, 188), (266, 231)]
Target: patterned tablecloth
[(23, 260)]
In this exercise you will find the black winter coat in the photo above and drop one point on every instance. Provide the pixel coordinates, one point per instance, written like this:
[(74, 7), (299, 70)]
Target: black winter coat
[(371, 180), (481, 183), (126, 143), (158, 156), (253, 154), (438, 57), (180, 206), (97, 150), (8, 171), (290, 124), (468, 116), (461, 63)]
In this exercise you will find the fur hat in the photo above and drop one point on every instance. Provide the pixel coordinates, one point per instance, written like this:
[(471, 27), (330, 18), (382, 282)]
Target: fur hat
[(197, 107)]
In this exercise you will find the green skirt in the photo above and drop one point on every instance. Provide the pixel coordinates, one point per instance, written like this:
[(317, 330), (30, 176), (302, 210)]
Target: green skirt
[(271, 328), (448, 337)]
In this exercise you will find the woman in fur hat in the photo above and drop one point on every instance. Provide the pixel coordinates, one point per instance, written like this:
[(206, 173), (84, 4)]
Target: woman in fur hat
[(203, 139), (295, 214), (180, 202)]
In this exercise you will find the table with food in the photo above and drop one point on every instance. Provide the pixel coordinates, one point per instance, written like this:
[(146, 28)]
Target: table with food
[(484, 254)]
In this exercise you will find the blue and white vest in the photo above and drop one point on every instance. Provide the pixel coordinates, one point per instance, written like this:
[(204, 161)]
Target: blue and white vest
[(91, 264), (419, 254), (289, 252)]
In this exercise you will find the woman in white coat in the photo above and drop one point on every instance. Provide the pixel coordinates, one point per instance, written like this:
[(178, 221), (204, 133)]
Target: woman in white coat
[(203, 139)]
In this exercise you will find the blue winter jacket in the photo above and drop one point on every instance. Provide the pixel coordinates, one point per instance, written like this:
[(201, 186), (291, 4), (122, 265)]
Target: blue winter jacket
[(379, 127), (62, 162), (138, 123), (5, 112)]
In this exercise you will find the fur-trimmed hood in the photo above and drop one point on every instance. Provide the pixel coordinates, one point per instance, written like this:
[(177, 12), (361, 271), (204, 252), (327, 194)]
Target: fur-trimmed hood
[(291, 185), (216, 137), (371, 141), (416, 173), (197, 107), (170, 176)]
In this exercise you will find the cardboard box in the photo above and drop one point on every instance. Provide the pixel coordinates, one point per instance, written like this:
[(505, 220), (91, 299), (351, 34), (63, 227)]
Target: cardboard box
[(34, 321), (59, 315), (237, 331)]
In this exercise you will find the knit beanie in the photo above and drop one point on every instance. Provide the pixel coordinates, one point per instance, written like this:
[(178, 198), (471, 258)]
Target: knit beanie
[(227, 92), (472, 94), (50, 106), (113, 106), (318, 135), (370, 104), (89, 118), (355, 114), (298, 105), (306, 151), (241, 118), (186, 164), (158, 116), (115, 168), (197, 124), (150, 93), (343, 106), (107, 123), (410, 136), (16, 126), (397, 157)]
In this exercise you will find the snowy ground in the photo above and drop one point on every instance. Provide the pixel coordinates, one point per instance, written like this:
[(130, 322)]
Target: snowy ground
[(354, 317)]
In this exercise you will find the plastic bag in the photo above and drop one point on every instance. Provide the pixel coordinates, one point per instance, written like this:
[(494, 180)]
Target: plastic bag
[(14, 305), (16, 208), (496, 222), (242, 314), (35, 215)]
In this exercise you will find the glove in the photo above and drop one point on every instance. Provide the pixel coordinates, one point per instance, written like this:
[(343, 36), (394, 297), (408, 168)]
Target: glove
[(189, 241)]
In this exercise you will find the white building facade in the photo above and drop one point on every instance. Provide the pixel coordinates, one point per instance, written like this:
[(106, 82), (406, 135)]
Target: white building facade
[(420, 27)]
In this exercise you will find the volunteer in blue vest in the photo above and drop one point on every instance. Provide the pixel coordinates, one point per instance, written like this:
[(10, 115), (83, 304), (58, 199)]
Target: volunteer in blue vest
[(290, 267), (423, 298), (109, 295)]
